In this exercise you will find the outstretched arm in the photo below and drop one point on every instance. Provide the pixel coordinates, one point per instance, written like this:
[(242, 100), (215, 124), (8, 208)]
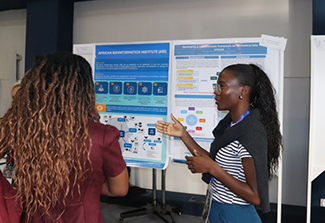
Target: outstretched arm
[(176, 129)]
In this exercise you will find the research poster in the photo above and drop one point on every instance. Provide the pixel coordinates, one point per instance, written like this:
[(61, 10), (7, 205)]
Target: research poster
[(131, 86), (196, 66)]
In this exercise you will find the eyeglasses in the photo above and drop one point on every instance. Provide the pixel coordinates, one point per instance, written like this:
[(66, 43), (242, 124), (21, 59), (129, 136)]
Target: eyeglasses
[(219, 87)]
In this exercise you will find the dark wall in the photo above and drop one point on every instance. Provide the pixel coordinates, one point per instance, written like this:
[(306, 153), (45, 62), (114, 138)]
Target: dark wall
[(318, 17), (49, 28), (318, 192)]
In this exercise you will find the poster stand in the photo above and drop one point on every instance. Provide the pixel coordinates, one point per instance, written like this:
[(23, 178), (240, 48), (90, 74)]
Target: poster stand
[(157, 209), (316, 167)]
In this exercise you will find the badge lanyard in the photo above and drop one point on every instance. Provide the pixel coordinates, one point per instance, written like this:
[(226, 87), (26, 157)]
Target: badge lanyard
[(241, 118), (208, 202)]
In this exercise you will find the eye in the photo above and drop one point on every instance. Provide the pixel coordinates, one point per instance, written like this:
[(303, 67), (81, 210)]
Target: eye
[(222, 85)]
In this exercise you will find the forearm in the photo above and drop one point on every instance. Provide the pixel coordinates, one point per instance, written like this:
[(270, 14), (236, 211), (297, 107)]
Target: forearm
[(192, 145), (116, 186), (238, 187)]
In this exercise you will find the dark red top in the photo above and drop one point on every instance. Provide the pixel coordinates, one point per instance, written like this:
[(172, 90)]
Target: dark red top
[(107, 161)]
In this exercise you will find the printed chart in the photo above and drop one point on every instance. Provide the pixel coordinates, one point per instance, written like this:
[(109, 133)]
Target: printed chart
[(138, 136)]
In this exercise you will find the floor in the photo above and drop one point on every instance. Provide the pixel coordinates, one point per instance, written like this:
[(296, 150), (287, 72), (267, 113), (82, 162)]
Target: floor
[(191, 208), (187, 208), (111, 214)]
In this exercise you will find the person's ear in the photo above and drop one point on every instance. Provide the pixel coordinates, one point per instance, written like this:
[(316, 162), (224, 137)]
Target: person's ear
[(245, 90)]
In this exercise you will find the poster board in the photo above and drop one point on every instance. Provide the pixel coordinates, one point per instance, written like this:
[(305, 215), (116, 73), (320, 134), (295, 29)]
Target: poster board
[(193, 69), (316, 163)]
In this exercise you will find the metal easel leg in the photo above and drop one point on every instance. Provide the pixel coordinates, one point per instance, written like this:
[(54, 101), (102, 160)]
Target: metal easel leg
[(154, 208), (166, 208)]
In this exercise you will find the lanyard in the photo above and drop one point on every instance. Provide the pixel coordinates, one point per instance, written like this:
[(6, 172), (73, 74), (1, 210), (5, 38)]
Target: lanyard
[(241, 118)]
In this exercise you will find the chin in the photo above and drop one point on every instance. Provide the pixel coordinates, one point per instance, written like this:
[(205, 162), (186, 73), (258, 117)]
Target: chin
[(219, 108)]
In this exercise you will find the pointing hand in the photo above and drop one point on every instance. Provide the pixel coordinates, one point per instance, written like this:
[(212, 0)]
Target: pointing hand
[(173, 129)]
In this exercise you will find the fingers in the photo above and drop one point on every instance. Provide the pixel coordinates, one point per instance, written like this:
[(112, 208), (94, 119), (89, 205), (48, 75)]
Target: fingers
[(160, 123), (190, 163), (161, 126), (173, 118), (172, 129), (191, 168)]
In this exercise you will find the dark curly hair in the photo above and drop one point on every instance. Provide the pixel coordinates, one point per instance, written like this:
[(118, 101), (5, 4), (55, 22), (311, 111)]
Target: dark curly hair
[(262, 96), (45, 130)]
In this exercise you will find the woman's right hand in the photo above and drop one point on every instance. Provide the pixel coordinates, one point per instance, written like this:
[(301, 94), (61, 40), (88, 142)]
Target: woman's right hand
[(173, 129)]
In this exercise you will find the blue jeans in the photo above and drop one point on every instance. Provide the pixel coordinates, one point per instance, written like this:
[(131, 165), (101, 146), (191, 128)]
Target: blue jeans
[(233, 213)]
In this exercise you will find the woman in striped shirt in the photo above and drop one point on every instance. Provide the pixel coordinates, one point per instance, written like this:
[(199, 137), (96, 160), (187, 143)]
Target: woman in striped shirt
[(244, 154)]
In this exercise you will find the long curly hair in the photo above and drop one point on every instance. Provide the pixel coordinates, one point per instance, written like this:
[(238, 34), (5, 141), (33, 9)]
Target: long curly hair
[(262, 96), (45, 130)]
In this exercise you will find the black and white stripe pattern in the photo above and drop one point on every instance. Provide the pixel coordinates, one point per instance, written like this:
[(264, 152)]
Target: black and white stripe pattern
[(229, 159)]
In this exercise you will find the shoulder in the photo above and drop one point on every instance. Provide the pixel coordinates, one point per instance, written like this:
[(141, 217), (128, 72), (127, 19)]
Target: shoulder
[(107, 131), (253, 124), (253, 133), (100, 126)]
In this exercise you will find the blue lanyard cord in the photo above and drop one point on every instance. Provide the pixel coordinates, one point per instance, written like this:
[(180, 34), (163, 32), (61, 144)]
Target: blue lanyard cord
[(241, 118)]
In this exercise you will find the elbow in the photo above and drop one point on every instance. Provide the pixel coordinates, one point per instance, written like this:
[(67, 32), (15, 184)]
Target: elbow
[(118, 186), (121, 192), (256, 200), (124, 191)]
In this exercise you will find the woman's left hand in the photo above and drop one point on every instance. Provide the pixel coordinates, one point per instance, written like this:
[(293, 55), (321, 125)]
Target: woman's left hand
[(199, 163)]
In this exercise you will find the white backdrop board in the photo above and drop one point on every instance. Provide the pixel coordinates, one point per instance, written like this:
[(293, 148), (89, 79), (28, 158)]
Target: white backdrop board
[(317, 111)]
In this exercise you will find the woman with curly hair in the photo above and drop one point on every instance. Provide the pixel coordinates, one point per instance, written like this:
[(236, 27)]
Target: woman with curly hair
[(244, 155), (64, 158)]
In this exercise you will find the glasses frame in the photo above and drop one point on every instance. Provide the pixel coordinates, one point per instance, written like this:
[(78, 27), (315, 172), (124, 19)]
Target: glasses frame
[(218, 88)]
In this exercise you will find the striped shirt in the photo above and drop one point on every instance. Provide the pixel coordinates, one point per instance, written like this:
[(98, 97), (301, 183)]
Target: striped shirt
[(230, 158)]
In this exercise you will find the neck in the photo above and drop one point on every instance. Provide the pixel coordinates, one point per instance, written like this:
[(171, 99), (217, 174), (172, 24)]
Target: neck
[(237, 113)]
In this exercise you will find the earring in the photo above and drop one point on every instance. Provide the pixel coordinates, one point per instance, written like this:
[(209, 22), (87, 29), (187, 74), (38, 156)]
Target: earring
[(241, 97)]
